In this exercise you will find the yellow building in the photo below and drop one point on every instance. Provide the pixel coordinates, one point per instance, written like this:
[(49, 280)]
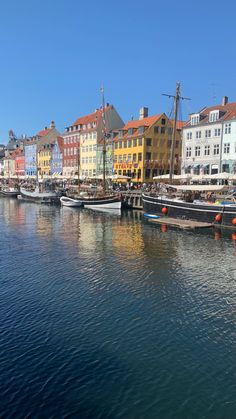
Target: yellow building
[(45, 142), (142, 147)]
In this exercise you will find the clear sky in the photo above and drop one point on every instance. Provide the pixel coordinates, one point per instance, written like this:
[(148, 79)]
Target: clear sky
[(55, 54)]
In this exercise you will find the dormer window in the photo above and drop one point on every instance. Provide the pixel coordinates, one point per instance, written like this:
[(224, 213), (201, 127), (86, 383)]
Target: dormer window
[(213, 116), (120, 133), (194, 119), (130, 131), (141, 130)]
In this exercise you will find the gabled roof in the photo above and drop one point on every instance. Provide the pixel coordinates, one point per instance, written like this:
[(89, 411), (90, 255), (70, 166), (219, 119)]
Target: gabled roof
[(93, 117), (227, 113), (44, 132), (145, 122)]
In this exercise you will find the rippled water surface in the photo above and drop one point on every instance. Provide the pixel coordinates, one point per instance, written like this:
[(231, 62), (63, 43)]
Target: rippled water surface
[(103, 316)]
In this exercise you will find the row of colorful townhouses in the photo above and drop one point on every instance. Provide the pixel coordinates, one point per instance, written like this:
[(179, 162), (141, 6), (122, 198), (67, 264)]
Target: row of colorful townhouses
[(139, 149)]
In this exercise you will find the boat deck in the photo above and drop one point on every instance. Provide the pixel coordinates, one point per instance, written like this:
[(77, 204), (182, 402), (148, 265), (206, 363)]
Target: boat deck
[(180, 223)]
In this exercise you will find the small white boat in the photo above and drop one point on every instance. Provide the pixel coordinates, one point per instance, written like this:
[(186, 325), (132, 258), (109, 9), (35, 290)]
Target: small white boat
[(10, 192), (70, 202)]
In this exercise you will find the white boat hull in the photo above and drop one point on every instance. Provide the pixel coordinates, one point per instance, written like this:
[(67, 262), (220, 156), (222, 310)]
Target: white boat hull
[(70, 202), (110, 205)]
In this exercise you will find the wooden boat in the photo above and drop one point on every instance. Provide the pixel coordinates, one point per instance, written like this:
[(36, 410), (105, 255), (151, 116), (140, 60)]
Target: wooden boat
[(220, 212), (10, 192), (103, 201), (39, 197), (70, 202)]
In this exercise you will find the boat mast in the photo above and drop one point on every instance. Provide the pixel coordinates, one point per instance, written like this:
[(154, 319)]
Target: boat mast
[(177, 98), (78, 165), (104, 141), (173, 140)]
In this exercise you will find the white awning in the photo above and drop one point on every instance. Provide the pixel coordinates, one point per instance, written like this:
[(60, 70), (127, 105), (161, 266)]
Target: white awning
[(203, 188)]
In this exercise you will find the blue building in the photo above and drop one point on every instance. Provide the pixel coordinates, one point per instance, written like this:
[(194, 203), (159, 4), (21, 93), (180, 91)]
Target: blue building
[(31, 158), (57, 157)]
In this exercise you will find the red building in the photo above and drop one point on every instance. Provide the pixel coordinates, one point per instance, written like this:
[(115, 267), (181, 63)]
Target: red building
[(19, 158)]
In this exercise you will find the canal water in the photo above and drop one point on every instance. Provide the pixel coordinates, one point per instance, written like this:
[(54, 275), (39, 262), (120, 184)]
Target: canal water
[(108, 316)]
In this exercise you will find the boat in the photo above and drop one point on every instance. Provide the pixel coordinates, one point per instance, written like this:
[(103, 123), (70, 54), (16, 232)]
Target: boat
[(108, 201), (222, 212), (104, 198), (70, 202), (153, 216), (10, 192), (44, 197)]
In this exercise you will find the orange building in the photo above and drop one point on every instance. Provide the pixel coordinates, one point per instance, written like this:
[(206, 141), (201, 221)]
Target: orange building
[(142, 147)]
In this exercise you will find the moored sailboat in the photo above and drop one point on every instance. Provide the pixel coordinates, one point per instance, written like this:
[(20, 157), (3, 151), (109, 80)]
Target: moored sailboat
[(188, 207), (99, 198)]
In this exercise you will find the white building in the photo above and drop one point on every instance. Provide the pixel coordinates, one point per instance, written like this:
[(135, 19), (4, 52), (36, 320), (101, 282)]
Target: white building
[(209, 140)]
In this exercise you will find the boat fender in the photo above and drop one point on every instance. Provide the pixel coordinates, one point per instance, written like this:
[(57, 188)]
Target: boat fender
[(164, 210), (218, 218), (234, 221)]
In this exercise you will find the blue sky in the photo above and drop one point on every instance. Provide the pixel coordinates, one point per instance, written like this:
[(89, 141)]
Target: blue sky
[(56, 53)]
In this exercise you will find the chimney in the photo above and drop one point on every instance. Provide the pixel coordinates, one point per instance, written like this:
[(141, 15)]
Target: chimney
[(143, 113), (52, 125), (45, 127), (224, 100)]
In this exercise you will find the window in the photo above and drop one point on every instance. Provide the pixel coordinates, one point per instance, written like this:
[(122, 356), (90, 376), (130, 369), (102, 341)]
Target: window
[(227, 128), (124, 158), (163, 121), (213, 116), (156, 130), (194, 119), (134, 158), (116, 145), (141, 130), (197, 151), (189, 135), (147, 173), (207, 133), (216, 150), (129, 157), (217, 132), (148, 156), (130, 143), (120, 158), (198, 134), (139, 156), (130, 131), (148, 142), (120, 133), (226, 148), (207, 150), (188, 152), (140, 141), (125, 144), (120, 144), (163, 130), (134, 142)]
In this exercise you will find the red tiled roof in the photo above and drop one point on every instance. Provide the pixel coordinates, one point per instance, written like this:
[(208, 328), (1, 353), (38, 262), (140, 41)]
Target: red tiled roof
[(44, 132), (145, 122), (93, 117), (179, 124), (228, 112)]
